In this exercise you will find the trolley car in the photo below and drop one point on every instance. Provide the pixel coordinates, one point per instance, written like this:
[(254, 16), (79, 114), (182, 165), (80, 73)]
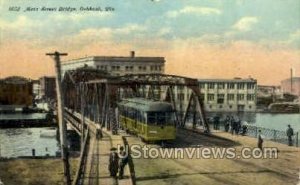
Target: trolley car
[(151, 120)]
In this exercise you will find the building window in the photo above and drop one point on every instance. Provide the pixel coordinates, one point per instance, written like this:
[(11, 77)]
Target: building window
[(240, 85), (220, 106), (115, 68), (250, 86), (230, 97), (210, 106), (230, 86), (230, 106), (221, 85), (250, 107), (202, 85), (103, 67), (240, 97), (211, 85), (129, 68), (250, 97), (220, 98), (210, 97)]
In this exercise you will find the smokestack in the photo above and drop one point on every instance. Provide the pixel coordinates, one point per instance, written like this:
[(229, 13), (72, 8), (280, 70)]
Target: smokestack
[(291, 80), (132, 54)]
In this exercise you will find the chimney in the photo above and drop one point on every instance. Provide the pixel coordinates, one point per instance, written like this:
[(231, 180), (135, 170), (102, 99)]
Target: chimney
[(132, 54)]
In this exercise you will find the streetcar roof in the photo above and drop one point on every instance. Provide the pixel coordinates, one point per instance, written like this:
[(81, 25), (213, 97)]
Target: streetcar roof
[(146, 105)]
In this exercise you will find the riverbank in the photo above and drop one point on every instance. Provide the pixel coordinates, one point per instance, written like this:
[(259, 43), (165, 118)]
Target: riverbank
[(34, 171)]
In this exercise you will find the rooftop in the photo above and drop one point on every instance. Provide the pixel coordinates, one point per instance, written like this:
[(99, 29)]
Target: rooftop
[(131, 58), (228, 80), (15, 80)]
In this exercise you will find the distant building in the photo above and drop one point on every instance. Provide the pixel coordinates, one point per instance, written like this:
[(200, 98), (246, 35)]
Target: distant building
[(291, 86), (47, 87), (118, 65), (269, 91), (16, 90), (222, 95)]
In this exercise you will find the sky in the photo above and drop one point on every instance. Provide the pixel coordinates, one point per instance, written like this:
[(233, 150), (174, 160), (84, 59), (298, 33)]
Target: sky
[(199, 39)]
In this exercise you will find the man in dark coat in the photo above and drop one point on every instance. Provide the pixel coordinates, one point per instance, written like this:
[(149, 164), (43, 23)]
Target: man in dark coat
[(260, 140), (113, 165), (290, 133), (123, 161)]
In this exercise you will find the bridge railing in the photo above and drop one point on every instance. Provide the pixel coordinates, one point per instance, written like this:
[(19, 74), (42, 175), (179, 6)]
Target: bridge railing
[(278, 136), (78, 180)]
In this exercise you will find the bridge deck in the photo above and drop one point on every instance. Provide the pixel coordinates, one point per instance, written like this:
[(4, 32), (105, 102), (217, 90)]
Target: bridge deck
[(98, 159), (283, 170)]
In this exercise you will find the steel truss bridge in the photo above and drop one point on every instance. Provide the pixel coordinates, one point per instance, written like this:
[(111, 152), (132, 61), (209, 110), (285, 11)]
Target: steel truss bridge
[(91, 96)]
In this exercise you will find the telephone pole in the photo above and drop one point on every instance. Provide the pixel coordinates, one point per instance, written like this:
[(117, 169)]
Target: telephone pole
[(60, 112)]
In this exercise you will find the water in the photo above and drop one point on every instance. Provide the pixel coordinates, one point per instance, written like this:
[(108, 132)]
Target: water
[(20, 116), (16, 142)]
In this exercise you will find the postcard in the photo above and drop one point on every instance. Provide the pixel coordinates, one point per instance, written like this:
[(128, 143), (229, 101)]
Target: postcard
[(149, 92)]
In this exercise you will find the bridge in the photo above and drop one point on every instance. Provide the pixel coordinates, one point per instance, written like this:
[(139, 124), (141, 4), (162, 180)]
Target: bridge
[(90, 99)]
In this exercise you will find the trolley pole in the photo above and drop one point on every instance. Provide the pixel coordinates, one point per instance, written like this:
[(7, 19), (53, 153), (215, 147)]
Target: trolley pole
[(60, 111)]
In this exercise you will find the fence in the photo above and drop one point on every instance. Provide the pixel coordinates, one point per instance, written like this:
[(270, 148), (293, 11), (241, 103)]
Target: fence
[(272, 134), (269, 134)]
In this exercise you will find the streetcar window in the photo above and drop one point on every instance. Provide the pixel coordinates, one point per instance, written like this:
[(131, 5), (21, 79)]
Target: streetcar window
[(131, 113), (151, 118), (161, 118), (170, 118)]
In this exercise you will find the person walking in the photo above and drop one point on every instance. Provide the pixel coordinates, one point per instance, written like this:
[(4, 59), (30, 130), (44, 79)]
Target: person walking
[(227, 123), (123, 155), (290, 133), (260, 140), (113, 165)]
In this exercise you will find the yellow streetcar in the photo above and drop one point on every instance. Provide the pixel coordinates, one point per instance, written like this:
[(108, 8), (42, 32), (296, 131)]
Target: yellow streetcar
[(151, 120)]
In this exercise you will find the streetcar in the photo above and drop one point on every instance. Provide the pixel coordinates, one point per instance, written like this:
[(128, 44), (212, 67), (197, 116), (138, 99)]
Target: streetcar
[(149, 119)]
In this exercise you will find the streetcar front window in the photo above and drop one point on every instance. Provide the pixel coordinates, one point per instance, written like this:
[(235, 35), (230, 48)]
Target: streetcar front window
[(161, 118), (151, 118)]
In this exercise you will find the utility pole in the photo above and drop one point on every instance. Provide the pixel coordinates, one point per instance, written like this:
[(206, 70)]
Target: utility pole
[(60, 111)]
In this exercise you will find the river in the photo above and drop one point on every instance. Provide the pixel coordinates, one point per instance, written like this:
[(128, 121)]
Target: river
[(16, 142)]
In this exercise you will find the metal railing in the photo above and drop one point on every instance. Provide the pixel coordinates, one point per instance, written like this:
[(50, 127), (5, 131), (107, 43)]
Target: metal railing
[(82, 161), (269, 134)]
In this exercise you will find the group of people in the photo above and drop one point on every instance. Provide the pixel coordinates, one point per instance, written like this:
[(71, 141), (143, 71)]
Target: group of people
[(117, 162), (230, 124)]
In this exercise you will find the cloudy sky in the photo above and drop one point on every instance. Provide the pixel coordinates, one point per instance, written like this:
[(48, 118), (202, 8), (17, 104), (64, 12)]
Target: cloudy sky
[(201, 39)]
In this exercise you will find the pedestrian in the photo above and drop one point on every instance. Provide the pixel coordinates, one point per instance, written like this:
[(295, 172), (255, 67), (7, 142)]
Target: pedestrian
[(232, 125), (290, 133), (244, 129), (216, 122), (227, 123), (113, 165), (98, 131), (238, 126), (260, 140), (123, 155)]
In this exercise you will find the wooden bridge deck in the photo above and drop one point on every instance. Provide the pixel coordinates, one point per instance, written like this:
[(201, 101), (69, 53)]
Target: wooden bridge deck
[(284, 170)]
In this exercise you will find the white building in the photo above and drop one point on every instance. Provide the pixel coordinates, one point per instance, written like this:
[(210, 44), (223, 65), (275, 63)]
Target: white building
[(222, 95), (118, 65)]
